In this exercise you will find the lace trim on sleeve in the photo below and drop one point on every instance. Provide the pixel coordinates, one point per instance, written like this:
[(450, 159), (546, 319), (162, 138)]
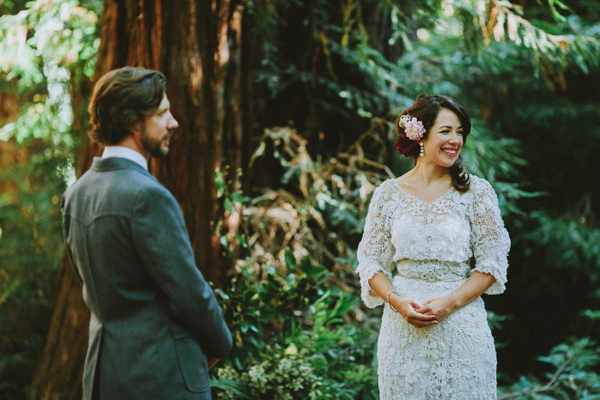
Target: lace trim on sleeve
[(491, 242), (375, 251), (497, 270), (368, 270)]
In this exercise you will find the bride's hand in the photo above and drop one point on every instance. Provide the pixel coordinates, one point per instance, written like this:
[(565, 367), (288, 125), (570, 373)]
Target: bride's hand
[(441, 307), (409, 309)]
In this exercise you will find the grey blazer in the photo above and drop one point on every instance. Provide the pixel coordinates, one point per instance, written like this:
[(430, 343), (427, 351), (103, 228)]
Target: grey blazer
[(155, 320)]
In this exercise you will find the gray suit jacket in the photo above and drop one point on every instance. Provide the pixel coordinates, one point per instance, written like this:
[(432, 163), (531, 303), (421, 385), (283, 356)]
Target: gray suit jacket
[(155, 320)]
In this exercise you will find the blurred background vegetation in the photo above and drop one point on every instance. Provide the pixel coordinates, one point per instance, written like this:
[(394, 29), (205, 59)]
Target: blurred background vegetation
[(327, 80)]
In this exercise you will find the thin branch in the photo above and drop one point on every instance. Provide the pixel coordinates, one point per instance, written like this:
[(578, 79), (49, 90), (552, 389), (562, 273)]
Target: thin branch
[(547, 386), (367, 162)]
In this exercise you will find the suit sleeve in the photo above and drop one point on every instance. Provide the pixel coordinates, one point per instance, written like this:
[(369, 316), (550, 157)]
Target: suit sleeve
[(66, 222), (163, 243)]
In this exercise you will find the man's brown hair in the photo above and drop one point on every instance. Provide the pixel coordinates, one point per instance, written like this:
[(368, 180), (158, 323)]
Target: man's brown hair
[(121, 99)]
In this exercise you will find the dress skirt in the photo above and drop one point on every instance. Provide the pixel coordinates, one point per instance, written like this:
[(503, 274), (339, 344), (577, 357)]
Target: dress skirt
[(453, 360)]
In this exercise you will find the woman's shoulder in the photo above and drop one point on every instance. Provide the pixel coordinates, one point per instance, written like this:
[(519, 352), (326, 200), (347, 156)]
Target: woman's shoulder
[(386, 190), (386, 185), (483, 192), (479, 184)]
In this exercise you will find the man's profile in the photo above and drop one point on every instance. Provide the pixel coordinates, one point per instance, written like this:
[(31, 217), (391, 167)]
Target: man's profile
[(155, 327)]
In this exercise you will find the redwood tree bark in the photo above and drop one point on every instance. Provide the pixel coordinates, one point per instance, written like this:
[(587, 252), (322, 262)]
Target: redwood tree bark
[(197, 45)]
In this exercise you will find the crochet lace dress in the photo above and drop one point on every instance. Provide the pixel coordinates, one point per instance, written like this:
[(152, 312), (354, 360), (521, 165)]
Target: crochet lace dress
[(432, 244)]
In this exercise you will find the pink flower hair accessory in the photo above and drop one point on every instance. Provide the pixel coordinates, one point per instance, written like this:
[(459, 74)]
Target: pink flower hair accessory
[(413, 128)]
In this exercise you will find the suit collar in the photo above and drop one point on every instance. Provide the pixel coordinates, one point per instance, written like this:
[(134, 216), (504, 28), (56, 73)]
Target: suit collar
[(125, 152), (115, 163)]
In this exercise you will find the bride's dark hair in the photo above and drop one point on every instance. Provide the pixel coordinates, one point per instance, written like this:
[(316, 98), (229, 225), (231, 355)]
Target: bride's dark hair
[(426, 109)]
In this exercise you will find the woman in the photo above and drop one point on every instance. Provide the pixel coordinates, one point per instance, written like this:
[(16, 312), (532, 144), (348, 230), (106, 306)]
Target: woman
[(437, 222)]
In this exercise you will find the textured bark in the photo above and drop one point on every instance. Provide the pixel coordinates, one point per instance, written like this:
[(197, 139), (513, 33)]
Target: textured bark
[(59, 372), (197, 45)]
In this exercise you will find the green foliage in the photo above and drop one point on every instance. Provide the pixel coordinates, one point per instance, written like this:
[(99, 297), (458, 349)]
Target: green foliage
[(594, 315), (30, 256), (263, 302), (575, 375), (568, 244), (47, 52), (335, 72), (280, 375), (343, 355), (230, 202), (46, 49), (292, 338)]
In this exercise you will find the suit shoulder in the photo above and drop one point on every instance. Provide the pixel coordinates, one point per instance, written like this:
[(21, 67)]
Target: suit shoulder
[(149, 190), (115, 192)]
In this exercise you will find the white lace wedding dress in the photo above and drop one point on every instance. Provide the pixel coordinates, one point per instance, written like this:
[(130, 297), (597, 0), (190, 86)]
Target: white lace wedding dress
[(432, 244)]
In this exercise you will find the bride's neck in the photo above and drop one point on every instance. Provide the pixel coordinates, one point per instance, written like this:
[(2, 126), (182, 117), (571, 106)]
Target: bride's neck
[(429, 173)]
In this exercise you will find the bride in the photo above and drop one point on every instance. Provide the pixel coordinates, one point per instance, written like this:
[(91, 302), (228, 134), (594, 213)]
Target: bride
[(443, 228)]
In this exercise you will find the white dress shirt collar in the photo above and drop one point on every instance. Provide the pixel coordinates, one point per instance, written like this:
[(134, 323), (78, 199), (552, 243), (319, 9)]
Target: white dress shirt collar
[(124, 152)]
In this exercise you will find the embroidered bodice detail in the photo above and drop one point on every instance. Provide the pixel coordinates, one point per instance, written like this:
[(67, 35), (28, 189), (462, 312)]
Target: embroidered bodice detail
[(435, 240)]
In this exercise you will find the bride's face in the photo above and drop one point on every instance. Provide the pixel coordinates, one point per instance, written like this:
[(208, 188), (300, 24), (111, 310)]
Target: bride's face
[(445, 139)]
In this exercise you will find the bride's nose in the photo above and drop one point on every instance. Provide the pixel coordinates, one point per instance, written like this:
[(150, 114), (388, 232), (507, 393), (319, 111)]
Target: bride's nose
[(455, 138)]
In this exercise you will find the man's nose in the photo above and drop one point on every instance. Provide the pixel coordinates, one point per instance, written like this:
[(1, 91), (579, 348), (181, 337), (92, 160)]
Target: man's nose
[(173, 124)]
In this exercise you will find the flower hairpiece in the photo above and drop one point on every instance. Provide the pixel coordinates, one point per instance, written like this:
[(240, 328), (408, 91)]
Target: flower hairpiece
[(413, 131), (413, 128), (403, 120)]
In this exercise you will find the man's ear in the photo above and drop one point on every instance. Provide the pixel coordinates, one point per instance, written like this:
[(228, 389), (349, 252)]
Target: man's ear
[(136, 129)]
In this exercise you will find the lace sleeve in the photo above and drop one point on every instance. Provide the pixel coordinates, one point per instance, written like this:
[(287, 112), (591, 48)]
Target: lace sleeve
[(375, 250), (490, 240)]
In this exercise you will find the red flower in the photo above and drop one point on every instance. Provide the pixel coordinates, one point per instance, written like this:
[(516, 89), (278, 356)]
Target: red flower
[(407, 147)]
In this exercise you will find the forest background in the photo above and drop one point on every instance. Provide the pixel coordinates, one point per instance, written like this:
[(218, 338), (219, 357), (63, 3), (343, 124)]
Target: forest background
[(286, 111)]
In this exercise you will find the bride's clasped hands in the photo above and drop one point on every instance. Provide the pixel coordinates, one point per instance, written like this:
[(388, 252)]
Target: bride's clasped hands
[(423, 315), (415, 313), (441, 307)]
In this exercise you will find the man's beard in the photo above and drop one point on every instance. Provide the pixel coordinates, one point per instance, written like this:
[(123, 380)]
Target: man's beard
[(153, 147)]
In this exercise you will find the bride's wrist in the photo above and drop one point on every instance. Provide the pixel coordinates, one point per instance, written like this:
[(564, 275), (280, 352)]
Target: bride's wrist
[(389, 297), (453, 302)]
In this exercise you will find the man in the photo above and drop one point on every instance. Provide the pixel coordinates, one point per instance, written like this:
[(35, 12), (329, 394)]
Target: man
[(156, 327)]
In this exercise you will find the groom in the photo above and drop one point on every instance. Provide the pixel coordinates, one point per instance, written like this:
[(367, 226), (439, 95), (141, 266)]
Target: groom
[(155, 327)]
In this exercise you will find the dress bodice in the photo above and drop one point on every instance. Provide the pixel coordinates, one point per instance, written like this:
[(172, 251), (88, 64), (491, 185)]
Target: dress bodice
[(439, 230), (433, 241)]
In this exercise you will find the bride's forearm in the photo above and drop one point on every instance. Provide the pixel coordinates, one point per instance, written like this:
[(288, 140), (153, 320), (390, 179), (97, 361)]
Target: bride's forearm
[(381, 285), (474, 287)]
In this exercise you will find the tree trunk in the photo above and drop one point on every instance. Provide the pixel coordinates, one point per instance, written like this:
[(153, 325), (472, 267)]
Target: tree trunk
[(197, 45)]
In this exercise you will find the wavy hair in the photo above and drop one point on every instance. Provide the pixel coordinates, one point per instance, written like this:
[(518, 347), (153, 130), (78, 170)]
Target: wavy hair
[(426, 109), (121, 99)]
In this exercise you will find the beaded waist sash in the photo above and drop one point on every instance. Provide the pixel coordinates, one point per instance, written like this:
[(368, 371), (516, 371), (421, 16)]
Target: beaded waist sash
[(433, 270)]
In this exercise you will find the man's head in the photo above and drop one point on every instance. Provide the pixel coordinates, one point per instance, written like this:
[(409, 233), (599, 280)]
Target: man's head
[(128, 102)]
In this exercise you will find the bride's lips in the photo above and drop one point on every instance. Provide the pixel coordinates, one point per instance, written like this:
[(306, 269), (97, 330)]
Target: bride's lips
[(450, 152)]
